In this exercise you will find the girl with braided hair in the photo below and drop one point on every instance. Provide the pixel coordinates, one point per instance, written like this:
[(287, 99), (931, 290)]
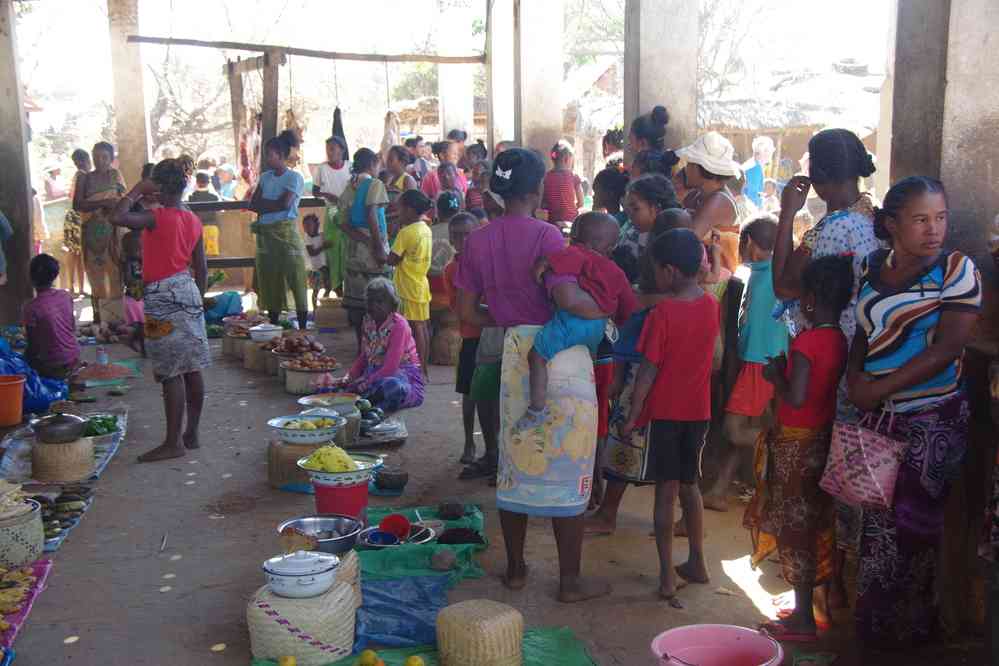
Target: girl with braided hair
[(837, 162)]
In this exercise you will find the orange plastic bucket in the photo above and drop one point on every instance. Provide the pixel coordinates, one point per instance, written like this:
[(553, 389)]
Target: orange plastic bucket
[(11, 399)]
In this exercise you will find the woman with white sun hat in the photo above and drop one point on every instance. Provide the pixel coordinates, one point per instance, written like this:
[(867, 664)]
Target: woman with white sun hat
[(710, 166)]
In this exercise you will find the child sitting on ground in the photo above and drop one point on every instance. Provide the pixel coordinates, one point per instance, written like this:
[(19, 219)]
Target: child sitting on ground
[(760, 337), (316, 246), (49, 323), (411, 257), (601, 281), (790, 461), (673, 395), (460, 226)]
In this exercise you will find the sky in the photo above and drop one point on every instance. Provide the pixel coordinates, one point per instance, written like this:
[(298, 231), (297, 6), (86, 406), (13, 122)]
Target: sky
[(66, 60)]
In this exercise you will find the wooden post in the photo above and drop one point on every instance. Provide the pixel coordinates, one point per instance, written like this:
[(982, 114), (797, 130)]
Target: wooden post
[(129, 102), (238, 109), (15, 194), (269, 124)]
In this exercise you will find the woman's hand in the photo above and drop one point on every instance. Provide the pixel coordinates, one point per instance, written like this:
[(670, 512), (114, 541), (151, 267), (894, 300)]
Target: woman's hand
[(795, 194), (865, 392)]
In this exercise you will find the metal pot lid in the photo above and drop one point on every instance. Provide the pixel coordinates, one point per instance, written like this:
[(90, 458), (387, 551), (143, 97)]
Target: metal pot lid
[(301, 563), (59, 419)]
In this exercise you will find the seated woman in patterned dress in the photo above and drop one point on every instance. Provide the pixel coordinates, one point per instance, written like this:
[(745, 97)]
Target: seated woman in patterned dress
[(387, 371)]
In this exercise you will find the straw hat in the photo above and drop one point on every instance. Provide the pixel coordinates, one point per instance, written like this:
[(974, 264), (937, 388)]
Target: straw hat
[(713, 153)]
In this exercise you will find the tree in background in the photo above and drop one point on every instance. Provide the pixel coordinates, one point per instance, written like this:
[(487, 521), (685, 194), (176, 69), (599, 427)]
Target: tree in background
[(595, 28), (190, 112)]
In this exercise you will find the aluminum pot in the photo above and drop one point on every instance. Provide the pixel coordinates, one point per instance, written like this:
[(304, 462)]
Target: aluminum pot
[(59, 428), (302, 574)]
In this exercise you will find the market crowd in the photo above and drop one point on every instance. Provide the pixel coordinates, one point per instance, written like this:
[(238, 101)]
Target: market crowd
[(609, 331)]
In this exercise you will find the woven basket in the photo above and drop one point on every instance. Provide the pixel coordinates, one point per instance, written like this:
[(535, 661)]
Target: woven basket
[(315, 631), (232, 346), (255, 357), (21, 538), (349, 572), (480, 632), (72, 461)]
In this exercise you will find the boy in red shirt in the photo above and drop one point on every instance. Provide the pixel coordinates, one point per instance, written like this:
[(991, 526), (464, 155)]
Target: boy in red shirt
[(603, 293), (673, 395)]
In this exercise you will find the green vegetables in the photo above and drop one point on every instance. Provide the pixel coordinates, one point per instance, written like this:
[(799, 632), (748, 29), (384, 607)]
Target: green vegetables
[(100, 425), (214, 330)]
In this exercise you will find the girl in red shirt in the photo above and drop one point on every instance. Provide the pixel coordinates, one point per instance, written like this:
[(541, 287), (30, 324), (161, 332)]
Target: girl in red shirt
[(789, 513), (563, 193)]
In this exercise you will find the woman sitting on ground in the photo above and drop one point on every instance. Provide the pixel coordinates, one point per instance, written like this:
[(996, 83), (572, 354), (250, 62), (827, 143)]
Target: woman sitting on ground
[(172, 298), (387, 371)]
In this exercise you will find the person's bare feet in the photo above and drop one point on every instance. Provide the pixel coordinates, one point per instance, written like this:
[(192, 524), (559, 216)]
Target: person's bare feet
[(693, 572), (162, 452), (716, 502), (191, 441), (515, 578), (595, 525), (582, 589)]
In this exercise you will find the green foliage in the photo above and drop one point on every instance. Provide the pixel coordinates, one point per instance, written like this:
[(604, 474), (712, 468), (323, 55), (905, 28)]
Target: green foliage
[(418, 80)]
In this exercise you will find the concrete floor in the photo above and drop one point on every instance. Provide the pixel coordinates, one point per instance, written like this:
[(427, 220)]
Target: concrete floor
[(105, 585)]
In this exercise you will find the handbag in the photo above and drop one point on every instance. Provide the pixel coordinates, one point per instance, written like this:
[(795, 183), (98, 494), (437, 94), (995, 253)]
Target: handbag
[(863, 462)]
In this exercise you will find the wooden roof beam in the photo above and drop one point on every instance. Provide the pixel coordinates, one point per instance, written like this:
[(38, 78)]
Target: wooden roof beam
[(312, 53)]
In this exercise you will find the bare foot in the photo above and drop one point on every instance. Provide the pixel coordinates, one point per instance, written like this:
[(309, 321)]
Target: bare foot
[(668, 594), (693, 573), (580, 589), (716, 503), (162, 452), (191, 441), (515, 578), (596, 526)]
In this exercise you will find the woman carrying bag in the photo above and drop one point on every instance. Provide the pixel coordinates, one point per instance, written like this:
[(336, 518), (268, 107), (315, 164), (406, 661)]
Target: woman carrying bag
[(916, 309)]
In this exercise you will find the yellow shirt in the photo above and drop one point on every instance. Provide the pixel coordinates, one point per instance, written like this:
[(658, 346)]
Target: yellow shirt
[(413, 243)]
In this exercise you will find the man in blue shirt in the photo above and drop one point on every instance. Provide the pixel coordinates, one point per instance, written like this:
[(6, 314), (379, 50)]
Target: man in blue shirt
[(763, 152)]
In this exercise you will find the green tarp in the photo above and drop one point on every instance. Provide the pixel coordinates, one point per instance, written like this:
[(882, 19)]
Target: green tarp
[(542, 647), (415, 560)]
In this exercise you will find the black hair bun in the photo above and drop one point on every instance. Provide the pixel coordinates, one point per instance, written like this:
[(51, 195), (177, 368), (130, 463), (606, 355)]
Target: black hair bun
[(867, 167), (660, 115), (501, 180)]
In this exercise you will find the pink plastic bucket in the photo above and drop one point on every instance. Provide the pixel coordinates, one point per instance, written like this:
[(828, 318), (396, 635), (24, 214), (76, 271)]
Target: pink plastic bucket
[(716, 645)]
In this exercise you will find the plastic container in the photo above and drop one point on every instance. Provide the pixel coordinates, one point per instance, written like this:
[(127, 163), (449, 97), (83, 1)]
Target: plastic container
[(346, 500), (11, 399), (716, 645), (102, 355)]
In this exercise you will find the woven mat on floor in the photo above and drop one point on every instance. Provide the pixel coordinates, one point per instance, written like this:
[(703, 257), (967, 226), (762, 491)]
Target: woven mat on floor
[(542, 647)]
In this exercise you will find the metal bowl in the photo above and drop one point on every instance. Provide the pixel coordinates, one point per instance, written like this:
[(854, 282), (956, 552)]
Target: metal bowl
[(59, 428), (344, 528)]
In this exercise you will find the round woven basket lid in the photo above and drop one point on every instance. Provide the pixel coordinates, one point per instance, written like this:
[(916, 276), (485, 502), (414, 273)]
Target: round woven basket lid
[(316, 631), (480, 631)]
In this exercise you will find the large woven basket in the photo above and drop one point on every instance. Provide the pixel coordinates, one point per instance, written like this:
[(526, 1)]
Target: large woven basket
[(480, 632), (255, 356), (21, 537), (72, 461), (315, 631), (349, 572)]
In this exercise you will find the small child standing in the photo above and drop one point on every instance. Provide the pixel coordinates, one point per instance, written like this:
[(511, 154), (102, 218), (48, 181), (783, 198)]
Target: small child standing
[(316, 246), (563, 193), (459, 227), (791, 459), (131, 278), (602, 289), (49, 322), (761, 337), (411, 257), (673, 395)]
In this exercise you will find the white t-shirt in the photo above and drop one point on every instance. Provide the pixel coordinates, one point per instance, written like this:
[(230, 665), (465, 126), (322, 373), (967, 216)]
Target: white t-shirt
[(319, 260), (332, 181)]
